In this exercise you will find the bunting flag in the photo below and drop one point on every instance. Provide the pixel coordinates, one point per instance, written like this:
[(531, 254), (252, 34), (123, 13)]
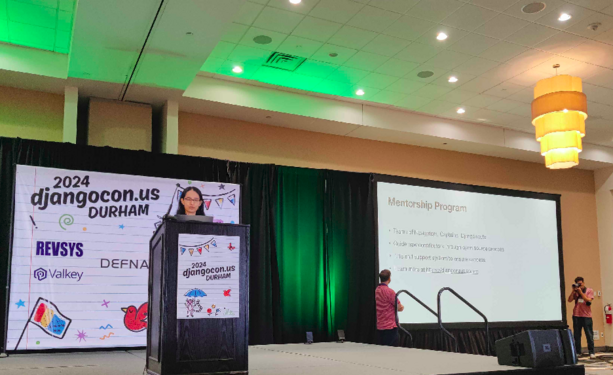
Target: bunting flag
[(214, 243), (232, 199), (183, 250), (219, 202), (200, 250), (206, 247), (191, 251), (207, 204)]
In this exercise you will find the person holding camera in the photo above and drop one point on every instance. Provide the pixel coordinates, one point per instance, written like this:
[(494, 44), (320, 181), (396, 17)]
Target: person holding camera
[(582, 315)]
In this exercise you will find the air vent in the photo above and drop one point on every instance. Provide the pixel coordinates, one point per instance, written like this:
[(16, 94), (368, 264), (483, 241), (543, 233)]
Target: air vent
[(284, 61)]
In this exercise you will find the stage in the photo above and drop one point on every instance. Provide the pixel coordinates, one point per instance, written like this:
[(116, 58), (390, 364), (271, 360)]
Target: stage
[(299, 359)]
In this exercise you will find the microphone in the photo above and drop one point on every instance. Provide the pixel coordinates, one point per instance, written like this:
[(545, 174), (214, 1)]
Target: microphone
[(171, 202)]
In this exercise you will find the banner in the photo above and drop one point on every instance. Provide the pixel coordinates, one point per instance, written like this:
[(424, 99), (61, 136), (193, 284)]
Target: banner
[(208, 277), (80, 254)]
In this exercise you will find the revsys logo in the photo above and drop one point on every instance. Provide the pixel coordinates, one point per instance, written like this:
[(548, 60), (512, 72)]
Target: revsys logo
[(40, 274), (62, 249)]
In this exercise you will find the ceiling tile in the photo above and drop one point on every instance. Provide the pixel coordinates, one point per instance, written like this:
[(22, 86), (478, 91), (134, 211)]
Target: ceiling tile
[(525, 96), (316, 29), (366, 61), (336, 10), (396, 67), (386, 45), (278, 20), (413, 102), (565, 63), (560, 43), (598, 94), (523, 109), (443, 80), (530, 77), (302, 47), (417, 52), (608, 10), (531, 35), (503, 72), (601, 77), (388, 97), (453, 35), (581, 28), (476, 66), (409, 28), (497, 5), (222, 50), (249, 55), (481, 101), (504, 90), (600, 111), (235, 33), (352, 37), (469, 17), (580, 69), (304, 7), (334, 88), (473, 44), (432, 91), (480, 84), (347, 75), (263, 2), (211, 64), (448, 59), (434, 10), (398, 6), (271, 75), (530, 59), (376, 80), (252, 32), (426, 67), (504, 105), (315, 68), (405, 86), (502, 51), (516, 9), (248, 13), (501, 26), (592, 4), (31, 14), (302, 82), (437, 107), (550, 19), (458, 96), (592, 52), (342, 54), (373, 19), (606, 37)]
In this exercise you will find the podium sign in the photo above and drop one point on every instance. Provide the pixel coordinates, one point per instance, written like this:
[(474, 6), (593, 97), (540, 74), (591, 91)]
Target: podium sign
[(198, 299)]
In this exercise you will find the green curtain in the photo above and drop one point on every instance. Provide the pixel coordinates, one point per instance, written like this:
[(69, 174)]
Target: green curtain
[(300, 253)]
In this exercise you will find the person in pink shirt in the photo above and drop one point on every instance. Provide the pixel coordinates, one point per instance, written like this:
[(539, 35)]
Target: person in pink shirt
[(582, 315), (385, 298)]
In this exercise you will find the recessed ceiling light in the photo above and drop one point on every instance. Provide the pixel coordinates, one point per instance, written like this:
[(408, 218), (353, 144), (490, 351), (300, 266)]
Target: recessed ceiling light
[(564, 17), (360, 92), (333, 54), (295, 1), (533, 8), (565, 110), (461, 110), (237, 69), (441, 36), (453, 79)]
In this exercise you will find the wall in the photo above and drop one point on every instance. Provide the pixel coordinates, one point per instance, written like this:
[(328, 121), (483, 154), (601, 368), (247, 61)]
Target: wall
[(604, 201), (119, 124), (31, 114), (241, 141)]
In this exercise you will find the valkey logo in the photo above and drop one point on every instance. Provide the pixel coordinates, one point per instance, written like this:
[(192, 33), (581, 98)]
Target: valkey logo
[(41, 274)]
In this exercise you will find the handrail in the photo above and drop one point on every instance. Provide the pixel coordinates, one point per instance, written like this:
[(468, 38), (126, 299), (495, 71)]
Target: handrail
[(440, 319), (424, 306)]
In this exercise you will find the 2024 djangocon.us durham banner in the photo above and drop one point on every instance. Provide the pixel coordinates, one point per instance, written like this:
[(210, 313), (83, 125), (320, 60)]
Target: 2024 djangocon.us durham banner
[(79, 268)]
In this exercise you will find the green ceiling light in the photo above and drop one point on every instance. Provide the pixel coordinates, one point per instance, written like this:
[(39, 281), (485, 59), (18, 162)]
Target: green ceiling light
[(360, 92), (44, 24), (237, 69)]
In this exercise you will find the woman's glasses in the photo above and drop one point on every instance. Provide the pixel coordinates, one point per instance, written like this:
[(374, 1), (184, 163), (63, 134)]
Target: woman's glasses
[(190, 200)]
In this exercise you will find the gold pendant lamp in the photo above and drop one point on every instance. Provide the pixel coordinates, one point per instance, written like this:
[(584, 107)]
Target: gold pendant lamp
[(559, 110)]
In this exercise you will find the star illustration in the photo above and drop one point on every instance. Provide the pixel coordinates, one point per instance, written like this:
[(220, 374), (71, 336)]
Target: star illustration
[(105, 303), (81, 336), (222, 187), (20, 304), (121, 226)]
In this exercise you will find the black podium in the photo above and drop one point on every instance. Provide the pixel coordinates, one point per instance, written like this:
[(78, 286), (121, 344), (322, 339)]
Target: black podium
[(198, 319)]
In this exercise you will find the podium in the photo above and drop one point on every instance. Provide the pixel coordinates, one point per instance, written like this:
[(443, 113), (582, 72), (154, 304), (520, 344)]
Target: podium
[(198, 319)]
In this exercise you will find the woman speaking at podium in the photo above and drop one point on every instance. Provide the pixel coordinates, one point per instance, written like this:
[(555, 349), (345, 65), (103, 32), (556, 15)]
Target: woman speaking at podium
[(191, 202)]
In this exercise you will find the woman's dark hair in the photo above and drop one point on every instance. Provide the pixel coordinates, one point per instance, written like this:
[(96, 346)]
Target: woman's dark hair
[(181, 209)]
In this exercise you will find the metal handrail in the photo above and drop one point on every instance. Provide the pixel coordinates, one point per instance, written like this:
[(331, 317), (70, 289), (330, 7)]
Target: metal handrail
[(440, 319), (424, 306)]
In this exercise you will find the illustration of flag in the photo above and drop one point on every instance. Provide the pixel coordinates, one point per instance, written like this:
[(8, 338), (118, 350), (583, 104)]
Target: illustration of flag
[(47, 317), (183, 250)]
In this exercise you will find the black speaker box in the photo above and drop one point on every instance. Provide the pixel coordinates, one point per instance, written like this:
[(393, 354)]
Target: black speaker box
[(537, 349)]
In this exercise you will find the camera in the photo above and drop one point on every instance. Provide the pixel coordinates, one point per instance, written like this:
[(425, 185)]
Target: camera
[(575, 286)]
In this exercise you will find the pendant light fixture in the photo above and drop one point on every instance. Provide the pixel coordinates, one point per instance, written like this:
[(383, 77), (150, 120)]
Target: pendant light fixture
[(559, 110)]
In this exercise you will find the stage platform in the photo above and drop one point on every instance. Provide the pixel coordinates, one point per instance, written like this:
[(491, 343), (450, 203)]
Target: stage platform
[(295, 359)]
